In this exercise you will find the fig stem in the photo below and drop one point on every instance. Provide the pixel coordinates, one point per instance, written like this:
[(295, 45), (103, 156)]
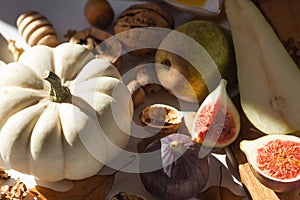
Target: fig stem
[(177, 146)]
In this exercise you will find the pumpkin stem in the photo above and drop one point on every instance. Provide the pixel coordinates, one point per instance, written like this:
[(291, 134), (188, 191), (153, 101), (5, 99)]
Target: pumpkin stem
[(58, 92)]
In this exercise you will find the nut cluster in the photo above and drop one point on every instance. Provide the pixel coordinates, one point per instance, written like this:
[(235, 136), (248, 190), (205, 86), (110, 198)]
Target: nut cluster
[(145, 82), (293, 48)]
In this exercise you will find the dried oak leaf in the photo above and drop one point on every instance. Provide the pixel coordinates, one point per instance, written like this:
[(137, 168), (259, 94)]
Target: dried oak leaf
[(17, 191), (95, 187), (141, 146), (128, 196), (3, 175), (14, 50)]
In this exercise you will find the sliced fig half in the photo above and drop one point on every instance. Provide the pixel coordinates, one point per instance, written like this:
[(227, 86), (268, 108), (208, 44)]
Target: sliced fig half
[(217, 122), (275, 160)]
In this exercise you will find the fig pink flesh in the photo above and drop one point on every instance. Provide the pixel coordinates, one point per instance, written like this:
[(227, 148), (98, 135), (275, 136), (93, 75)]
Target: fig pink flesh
[(280, 159), (211, 120)]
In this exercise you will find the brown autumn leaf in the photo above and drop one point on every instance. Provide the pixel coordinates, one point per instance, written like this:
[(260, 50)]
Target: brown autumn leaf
[(95, 187), (128, 196), (3, 175), (17, 191), (219, 193), (141, 146)]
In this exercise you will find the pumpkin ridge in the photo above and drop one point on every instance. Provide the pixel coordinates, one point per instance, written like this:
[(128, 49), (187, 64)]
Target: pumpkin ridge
[(82, 105), (46, 145), (14, 151), (12, 103), (75, 62), (74, 141), (20, 75)]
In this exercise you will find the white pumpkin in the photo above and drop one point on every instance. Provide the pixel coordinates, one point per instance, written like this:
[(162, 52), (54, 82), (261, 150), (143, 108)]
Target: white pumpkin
[(2, 64), (68, 129)]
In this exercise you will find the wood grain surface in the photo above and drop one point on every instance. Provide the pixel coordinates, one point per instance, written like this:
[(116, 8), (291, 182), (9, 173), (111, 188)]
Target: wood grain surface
[(284, 15)]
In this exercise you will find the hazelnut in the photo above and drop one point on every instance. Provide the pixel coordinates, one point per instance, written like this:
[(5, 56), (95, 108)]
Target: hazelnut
[(98, 13), (147, 78), (137, 92)]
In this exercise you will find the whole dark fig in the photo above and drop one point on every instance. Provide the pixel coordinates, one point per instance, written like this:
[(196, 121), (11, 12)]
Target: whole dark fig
[(172, 168)]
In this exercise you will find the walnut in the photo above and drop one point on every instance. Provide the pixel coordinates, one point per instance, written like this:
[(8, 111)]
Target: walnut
[(161, 118), (70, 33), (142, 16), (102, 43)]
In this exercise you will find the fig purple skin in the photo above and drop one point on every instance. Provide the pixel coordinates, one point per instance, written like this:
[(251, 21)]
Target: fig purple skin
[(181, 179)]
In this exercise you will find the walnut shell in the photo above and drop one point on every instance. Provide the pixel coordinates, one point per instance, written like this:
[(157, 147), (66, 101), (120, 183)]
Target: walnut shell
[(103, 44), (161, 118), (152, 6), (142, 16), (36, 29)]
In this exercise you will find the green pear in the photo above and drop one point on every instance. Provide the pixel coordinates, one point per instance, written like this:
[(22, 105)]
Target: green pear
[(189, 71), (268, 78)]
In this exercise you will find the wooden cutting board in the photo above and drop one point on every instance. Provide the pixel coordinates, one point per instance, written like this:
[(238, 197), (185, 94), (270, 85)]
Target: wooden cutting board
[(284, 16), (256, 190)]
